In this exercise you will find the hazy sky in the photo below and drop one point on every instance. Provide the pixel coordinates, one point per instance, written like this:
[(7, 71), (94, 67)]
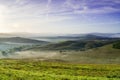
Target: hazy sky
[(60, 16)]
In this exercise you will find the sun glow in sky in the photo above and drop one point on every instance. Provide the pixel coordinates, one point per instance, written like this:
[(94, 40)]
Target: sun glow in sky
[(60, 16)]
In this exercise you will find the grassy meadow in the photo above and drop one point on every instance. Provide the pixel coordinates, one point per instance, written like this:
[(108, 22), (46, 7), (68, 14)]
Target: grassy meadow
[(44, 70)]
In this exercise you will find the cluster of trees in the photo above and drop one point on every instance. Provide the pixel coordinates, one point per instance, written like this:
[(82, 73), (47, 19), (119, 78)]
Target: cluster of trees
[(116, 45), (10, 51)]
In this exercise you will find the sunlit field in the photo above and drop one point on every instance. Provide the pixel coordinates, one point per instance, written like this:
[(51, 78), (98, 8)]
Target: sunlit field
[(45, 70)]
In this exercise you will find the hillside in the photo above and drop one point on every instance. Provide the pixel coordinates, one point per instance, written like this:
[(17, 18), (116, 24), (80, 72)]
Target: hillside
[(13, 43), (20, 40), (77, 45), (104, 54)]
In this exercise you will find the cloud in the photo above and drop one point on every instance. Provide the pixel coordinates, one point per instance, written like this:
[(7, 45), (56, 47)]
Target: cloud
[(104, 23), (46, 8), (18, 1), (102, 10), (93, 6), (72, 4), (28, 13)]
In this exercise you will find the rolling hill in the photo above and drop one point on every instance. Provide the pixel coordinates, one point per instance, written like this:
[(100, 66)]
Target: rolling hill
[(20, 40), (102, 55), (105, 54), (15, 42), (77, 45)]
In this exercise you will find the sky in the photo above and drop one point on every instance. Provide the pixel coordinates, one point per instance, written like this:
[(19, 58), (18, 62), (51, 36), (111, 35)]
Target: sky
[(60, 16)]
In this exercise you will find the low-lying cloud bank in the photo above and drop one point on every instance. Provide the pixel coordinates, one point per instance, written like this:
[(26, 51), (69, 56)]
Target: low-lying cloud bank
[(31, 54)]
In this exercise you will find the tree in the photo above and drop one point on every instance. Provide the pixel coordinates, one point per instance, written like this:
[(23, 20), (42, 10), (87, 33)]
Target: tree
[(4, 53)]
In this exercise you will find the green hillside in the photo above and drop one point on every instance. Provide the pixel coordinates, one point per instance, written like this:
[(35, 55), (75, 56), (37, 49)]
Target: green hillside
[(20, 40), (14, 44), (77, 45), (80, 52), (106, 54)]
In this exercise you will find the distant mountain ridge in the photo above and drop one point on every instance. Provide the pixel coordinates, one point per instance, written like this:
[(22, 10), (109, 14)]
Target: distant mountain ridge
[(111, 35)]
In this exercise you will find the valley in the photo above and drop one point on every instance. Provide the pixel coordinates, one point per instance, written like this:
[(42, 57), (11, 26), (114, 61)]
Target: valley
[(87, 49), (75, 58)]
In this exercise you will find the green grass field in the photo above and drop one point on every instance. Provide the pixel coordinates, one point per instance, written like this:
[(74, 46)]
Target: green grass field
[(43, 70)]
